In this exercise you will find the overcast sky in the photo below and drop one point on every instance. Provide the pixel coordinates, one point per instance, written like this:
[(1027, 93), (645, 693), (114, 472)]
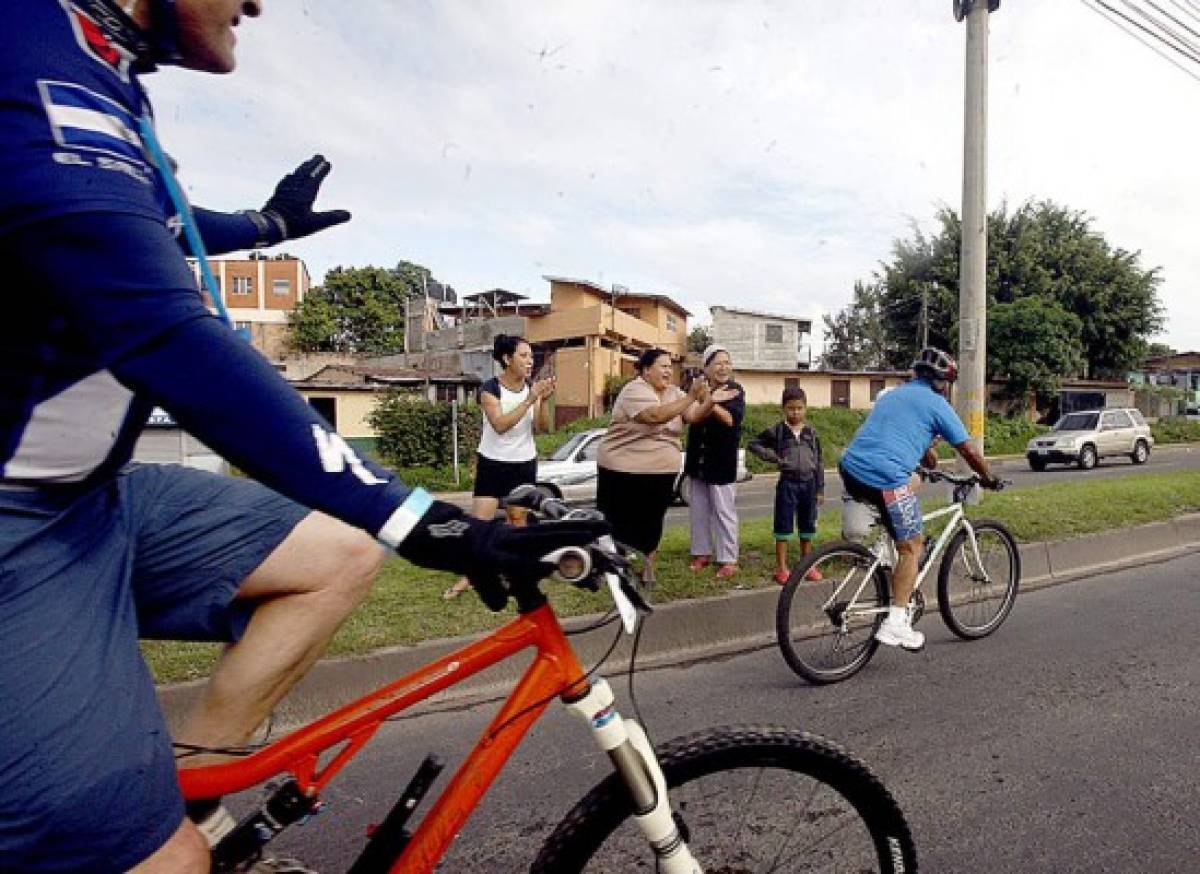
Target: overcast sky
[(761, 154)]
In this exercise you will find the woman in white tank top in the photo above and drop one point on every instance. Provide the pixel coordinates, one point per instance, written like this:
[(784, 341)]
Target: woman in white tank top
[(507, 456)]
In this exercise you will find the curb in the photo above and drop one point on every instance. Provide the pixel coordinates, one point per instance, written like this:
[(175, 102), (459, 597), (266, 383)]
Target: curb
[(683, 631)]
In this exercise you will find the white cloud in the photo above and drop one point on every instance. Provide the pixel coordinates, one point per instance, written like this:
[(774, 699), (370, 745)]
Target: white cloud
[(762, 152)]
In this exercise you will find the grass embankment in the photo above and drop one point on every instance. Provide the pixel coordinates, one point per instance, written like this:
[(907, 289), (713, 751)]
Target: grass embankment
[(406, 606)]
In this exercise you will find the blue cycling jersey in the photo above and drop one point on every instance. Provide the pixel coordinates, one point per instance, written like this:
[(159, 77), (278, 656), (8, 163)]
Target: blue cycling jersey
[(103, 317), (888, 447)]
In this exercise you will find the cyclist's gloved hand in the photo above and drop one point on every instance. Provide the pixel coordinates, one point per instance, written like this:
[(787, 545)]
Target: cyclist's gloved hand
[(487, 552), (289, 213), (991, 482)]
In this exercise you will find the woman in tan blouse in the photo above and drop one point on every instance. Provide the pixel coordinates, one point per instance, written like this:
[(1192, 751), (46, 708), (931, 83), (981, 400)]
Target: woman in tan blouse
[(639, 456)]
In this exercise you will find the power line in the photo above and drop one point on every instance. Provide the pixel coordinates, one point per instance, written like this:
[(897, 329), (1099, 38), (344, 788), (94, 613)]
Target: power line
[(1190, 5), (1172, 38), (1109, 17), (1182, 24)]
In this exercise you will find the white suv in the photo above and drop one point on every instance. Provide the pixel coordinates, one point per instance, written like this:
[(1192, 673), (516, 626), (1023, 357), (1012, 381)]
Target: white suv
[(1083, 438)]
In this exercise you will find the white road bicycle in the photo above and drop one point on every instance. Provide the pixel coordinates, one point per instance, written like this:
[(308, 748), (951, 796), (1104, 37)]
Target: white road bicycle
[(826, 626)]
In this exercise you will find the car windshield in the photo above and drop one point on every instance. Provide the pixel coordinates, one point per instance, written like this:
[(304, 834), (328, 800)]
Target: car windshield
[(564, 452), (1077, 422)]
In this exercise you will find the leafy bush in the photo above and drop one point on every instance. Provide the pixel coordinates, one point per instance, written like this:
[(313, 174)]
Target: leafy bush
[(416, 433), (1005, 436), (1176, 429)]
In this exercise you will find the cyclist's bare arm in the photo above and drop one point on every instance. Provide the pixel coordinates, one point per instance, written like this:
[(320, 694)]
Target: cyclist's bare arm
[(977, 463)]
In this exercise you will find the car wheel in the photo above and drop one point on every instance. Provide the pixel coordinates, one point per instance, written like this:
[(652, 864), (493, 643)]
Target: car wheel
[(1087, 457), (1037, 464), (1141, 452)]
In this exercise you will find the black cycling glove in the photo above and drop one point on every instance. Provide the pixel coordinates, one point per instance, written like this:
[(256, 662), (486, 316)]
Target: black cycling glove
[(289, 214), (490, 553)]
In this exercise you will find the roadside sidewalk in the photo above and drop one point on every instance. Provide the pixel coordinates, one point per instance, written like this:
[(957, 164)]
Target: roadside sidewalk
[(686, 631)]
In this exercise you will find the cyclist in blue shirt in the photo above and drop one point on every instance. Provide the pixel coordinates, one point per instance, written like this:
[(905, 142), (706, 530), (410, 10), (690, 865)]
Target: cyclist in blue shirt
[(103, 321), (877, 471)]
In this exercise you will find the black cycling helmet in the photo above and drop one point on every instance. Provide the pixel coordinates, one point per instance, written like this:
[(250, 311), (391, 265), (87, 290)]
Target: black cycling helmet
[(935, 363)]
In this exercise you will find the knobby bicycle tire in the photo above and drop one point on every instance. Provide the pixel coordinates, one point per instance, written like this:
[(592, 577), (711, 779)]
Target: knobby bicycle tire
[(969, 613), (812, 645), (846, 800)]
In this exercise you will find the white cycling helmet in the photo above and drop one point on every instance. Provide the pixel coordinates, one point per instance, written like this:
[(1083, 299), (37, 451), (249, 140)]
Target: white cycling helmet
[(935, 363)]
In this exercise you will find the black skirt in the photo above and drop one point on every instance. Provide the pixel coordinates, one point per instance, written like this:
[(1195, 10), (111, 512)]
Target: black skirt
[(635, 504), (495, 479)]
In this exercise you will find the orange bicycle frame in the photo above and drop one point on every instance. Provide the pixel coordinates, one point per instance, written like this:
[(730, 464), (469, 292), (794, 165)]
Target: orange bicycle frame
[(555, 670)]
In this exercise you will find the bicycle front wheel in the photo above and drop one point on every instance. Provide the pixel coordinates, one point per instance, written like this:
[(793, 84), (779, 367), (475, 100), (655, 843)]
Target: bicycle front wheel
[(829, 610), (975, 595), (748, 799)]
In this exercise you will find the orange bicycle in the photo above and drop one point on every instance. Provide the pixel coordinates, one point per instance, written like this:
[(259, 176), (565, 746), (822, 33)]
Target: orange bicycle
[(731, 799)]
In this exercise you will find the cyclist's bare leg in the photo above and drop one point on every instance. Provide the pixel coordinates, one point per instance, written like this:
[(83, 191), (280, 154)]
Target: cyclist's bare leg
[(904, 574), (305, 588), (185, 852)]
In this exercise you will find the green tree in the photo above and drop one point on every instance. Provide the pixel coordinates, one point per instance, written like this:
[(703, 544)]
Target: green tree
[(1041, 250), (1033, 343), (699, 339), (854, 338), (1155, 350), (360, 310)]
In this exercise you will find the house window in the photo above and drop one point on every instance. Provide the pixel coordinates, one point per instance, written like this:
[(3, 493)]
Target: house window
[(774, 333), (876, 388), (841, 393), (242, 285), (672, 323), (281, 286)]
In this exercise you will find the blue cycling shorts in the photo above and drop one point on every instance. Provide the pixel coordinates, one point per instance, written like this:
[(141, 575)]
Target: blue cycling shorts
[(87, 772)]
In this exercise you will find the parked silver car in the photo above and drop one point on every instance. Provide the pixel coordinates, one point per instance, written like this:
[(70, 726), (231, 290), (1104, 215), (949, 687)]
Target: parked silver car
[(570, 473), (1083, 438)]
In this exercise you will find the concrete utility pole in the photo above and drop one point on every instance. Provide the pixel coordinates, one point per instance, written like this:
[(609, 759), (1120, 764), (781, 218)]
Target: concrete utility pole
[(924, 314), (971, 393)]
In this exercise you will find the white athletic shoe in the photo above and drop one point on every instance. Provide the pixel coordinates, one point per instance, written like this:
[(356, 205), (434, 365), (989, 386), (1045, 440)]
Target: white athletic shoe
[(898, 632)]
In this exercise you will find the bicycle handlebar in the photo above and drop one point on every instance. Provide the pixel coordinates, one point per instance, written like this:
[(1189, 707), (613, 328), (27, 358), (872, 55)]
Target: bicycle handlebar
[(932, 475), (582, 566)]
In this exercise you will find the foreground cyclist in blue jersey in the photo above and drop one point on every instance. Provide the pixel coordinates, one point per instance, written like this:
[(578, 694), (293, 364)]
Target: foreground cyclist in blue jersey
[(877, 469), (103, 321)]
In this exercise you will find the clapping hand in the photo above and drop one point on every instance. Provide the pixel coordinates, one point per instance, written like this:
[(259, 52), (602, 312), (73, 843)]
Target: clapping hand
[(726, 393), (698, 390), (543, 388)]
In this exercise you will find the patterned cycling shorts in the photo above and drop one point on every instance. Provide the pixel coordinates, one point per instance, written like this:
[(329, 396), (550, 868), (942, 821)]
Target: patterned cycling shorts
[(899, 508)]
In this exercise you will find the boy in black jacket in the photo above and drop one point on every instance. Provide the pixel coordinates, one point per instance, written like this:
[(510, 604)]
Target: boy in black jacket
[(794, 446)]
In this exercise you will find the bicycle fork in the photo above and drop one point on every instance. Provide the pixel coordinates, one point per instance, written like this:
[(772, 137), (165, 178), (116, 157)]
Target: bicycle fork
[(626, 744)]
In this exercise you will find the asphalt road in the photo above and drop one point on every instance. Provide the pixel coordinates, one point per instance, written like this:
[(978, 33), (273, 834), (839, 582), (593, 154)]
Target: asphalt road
[(1067, 742), (756, 497)]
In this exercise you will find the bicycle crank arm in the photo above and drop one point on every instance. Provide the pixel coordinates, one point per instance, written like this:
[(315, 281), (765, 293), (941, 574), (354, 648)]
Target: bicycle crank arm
[(629, 749)]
